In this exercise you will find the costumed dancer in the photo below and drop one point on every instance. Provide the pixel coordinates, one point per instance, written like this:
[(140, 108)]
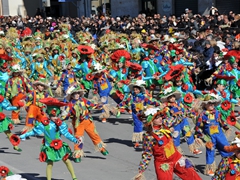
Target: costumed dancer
[(34, 107), (56, 64), (152, 71), (4, 62), (6, 124), (228, 103), (234, 83), (84, 66), (158, 142), (210, 124), (39, 66), (53, 148), (170, 98), (119, 69), (137, 100), (102, 85), (67, 78), (78, 110), (229, 168), (17, 86)]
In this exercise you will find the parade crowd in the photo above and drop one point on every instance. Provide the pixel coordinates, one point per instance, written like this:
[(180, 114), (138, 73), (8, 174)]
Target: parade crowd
[(167, 72)]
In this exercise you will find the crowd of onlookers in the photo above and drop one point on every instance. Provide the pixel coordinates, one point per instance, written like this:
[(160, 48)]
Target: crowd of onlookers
[(198, 33)]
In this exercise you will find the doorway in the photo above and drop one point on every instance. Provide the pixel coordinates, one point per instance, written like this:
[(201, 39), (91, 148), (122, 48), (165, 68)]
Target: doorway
[(149, 7)]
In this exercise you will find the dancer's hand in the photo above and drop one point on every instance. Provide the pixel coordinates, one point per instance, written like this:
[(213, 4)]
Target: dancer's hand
[(22, 137)]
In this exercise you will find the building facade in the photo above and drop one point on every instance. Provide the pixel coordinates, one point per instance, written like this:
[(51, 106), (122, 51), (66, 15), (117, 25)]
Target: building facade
[(76, 8), (168, 7)]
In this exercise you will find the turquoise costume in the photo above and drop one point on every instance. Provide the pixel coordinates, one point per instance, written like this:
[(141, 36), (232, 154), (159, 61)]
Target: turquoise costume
[(52, 149)]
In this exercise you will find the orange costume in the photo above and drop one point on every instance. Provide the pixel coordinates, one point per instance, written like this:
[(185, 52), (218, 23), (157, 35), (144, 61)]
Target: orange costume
[(34, 107)]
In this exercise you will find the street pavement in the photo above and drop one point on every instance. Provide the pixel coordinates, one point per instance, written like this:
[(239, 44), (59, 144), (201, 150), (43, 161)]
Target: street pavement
[(121, 163)]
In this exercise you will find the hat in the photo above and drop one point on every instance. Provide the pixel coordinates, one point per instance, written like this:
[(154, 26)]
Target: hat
[(86, 50), (120, 55), (211, 98), (152, 113), (186, 9), (235, 53), (143, 31), (16, 69), (170, 91), (74, 88), (235, 145), (232, 60), (138, 83), (165, 38), (3, 60), (53, 105), (97, 68), (153, 38), (41, 81), (174, 72), (222, 79)]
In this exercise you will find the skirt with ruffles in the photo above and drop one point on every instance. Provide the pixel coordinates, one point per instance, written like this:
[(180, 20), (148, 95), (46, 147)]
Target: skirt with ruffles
[(6, 124), (49, 154)]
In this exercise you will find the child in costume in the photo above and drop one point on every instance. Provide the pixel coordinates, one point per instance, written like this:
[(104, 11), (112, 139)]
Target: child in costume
[(137, 100), (53, 148), (229, 168), (210, 124), (170, 97), (235, 72), (4, 59), (84, 66), (17, 86), (78, 110), (67, 78), (39, 66), (33, 105), (101, 84), (6, 124), (228, 103), (158, 142)]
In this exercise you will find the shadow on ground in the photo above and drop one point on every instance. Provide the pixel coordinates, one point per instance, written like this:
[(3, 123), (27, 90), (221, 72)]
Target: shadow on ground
[(119, 141), (3, 150), (200, 168), (33, 176), (115, 121)]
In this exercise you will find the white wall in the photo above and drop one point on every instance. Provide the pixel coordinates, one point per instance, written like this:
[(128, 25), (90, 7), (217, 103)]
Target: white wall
[(23, 7), (124, 7)]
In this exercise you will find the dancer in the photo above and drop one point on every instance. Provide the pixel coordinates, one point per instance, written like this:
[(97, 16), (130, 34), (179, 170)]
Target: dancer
[(228, 168), (53, 148), (170, 98), (158, 142), (78, 110), (137, 100), (17, 86), (210, 124), (33, 105)]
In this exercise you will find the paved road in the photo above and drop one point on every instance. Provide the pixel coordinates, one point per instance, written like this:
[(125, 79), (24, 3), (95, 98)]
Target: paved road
[(120, 164)]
